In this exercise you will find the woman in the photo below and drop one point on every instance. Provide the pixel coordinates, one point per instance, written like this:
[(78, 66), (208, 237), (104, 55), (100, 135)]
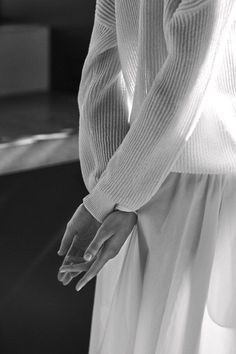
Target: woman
[(157, 146)]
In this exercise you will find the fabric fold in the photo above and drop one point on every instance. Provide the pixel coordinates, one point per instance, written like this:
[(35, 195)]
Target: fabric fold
[(171, 289)]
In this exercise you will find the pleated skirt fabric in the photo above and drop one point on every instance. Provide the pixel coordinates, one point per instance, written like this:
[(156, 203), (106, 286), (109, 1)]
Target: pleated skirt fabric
[(172, 287)]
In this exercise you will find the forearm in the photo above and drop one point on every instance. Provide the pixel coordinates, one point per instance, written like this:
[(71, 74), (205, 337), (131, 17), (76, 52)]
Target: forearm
[(103, 105), (169, 112)]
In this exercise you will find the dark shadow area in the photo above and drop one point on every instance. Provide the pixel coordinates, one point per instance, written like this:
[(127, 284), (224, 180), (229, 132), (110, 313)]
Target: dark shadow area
[(37, 313)]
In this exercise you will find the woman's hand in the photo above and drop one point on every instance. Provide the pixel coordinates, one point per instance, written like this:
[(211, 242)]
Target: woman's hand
[(79, 232), (105, 245)]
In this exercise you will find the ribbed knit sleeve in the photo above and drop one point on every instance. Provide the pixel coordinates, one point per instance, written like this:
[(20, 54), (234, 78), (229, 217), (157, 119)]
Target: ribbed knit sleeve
[(102, 97), (170, 111)]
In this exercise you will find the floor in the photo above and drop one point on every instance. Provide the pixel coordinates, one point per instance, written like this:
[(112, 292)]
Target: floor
[(38, 315)]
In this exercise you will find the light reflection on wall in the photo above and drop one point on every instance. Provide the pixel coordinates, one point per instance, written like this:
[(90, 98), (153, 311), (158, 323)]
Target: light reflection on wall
[(38, 137)]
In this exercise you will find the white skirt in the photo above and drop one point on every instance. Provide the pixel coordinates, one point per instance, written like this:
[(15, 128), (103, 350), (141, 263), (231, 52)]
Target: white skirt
[(172, 287)]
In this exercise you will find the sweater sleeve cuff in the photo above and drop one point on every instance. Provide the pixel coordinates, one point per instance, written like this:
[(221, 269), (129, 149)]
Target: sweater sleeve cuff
[(119, 207), (99, 204)]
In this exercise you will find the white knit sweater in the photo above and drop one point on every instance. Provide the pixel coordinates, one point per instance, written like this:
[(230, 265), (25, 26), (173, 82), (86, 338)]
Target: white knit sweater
[(157, 95)]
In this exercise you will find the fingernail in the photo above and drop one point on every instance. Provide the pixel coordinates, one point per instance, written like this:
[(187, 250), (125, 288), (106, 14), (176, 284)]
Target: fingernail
[(59, 252), (88, 256), (63, 270)]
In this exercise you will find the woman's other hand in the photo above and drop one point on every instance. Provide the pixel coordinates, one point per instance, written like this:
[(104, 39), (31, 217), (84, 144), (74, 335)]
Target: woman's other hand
[(104, 246), (80, 231)]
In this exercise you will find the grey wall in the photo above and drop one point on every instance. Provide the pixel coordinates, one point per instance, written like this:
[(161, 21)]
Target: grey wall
[(71, 24), (57, 13)]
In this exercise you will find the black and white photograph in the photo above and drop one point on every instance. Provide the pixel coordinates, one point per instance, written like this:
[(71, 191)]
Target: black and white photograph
[(118, 176)]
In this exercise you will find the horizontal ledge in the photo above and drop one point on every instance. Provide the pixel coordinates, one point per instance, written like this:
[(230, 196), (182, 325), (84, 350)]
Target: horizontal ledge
[(41, 153)]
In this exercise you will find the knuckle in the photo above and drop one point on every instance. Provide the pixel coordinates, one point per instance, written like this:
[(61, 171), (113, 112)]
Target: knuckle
[(76, 240), (93, 248)]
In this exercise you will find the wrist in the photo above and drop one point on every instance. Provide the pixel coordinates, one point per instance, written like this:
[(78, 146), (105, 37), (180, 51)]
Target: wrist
[(118, 207)]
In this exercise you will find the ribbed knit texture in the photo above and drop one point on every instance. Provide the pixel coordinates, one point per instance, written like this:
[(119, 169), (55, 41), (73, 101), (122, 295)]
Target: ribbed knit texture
[(157, 94)]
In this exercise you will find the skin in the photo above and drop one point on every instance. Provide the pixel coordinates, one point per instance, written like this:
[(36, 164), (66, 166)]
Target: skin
[(85, 234)]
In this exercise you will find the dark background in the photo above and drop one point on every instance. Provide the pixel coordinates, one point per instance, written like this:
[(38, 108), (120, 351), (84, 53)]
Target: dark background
[(38, 315)]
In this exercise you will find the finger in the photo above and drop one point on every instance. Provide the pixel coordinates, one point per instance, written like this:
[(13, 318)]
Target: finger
[(78, 267), (73, 257), (69, 276), (110, 249), (69, 232), (65, 275), (112, 246), (104, 255), (74, 254), (75, 250), (62, 276), (81, 267), (101, 236), (66, 239), (65, 278)]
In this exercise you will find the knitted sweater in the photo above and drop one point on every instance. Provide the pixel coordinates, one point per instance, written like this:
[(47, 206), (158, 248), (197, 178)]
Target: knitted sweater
[(157, 95)]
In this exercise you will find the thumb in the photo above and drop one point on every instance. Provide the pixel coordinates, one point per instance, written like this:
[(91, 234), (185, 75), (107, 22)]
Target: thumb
[(69, 232), (66, 240)]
